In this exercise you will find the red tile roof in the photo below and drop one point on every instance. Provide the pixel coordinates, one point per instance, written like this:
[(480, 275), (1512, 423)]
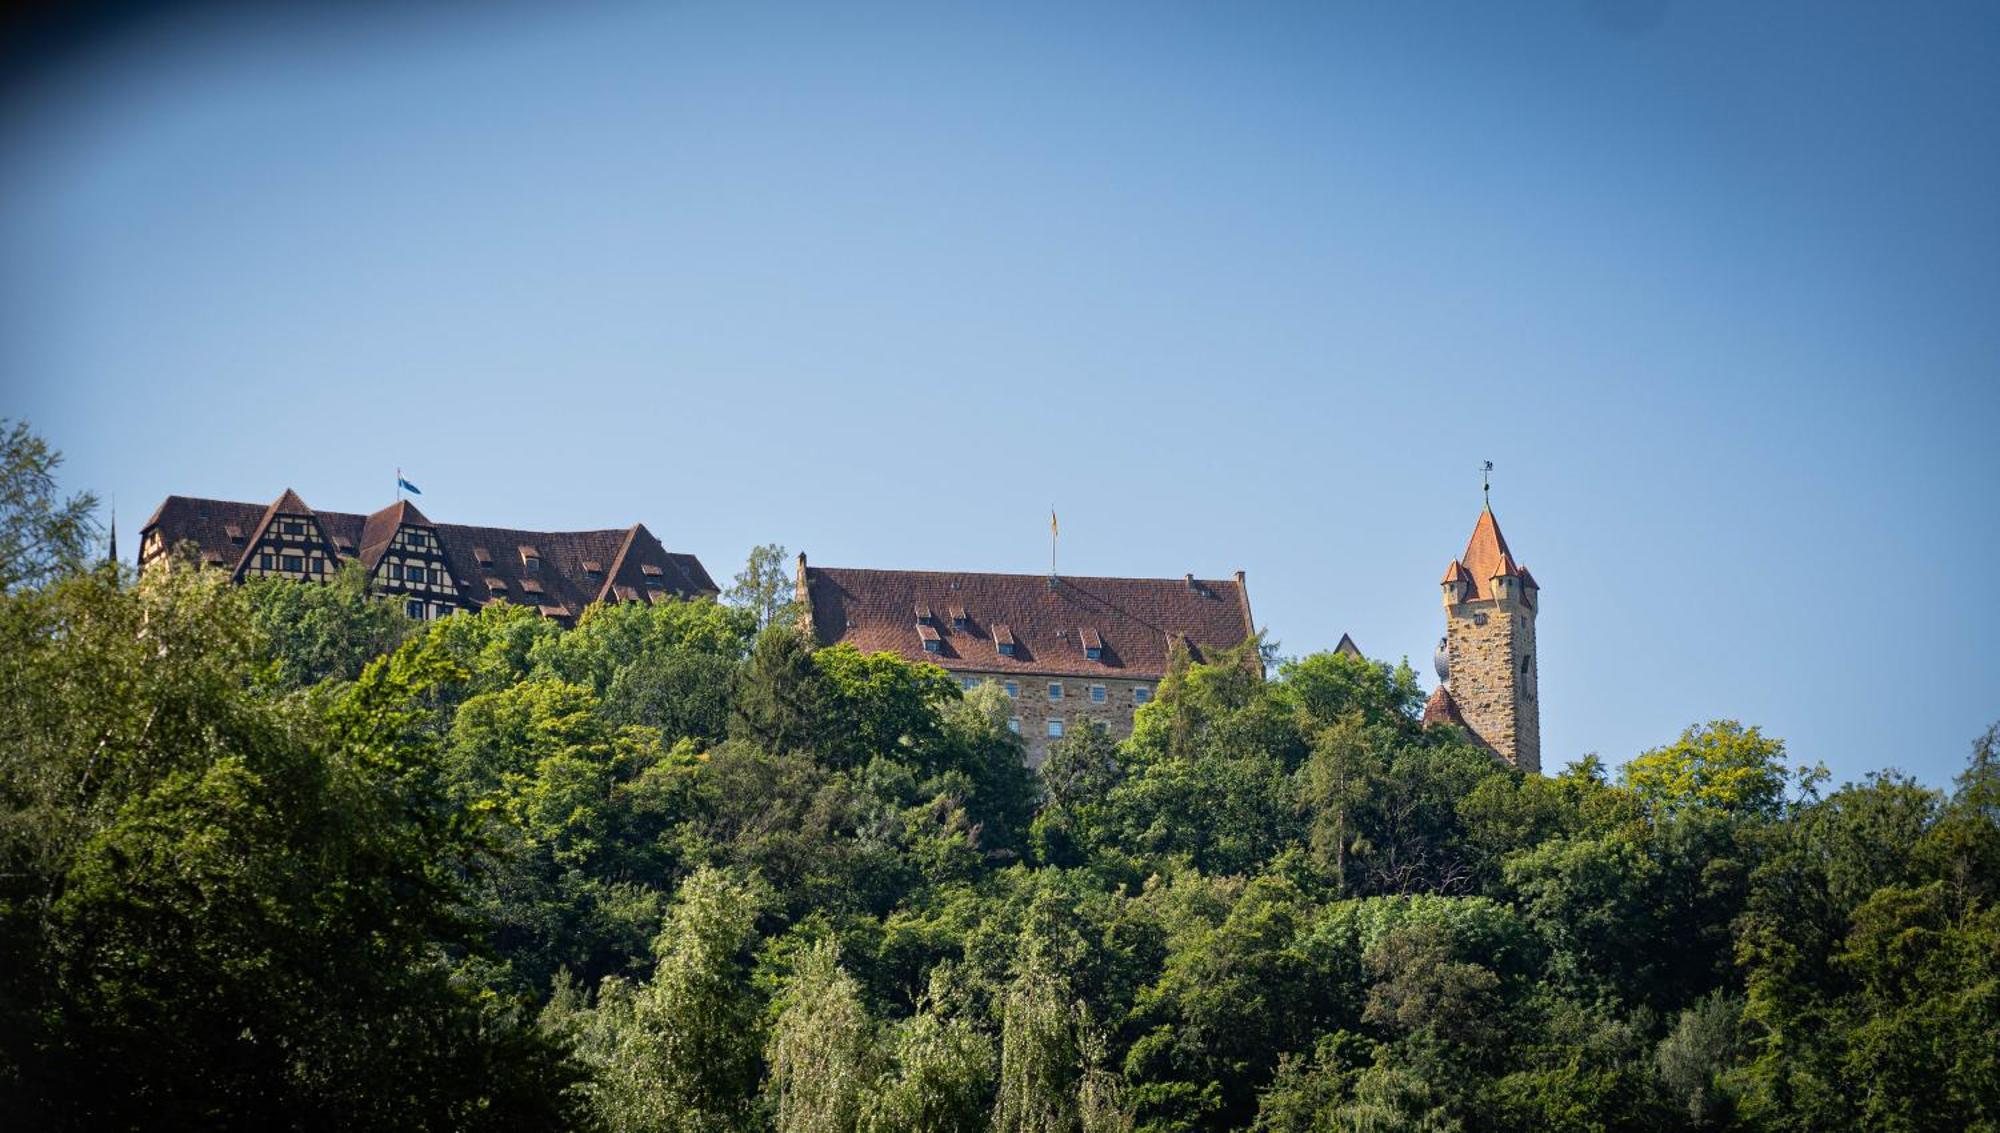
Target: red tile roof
[(633, 551), (1442, 709), (1486, 556), (1134, 618)]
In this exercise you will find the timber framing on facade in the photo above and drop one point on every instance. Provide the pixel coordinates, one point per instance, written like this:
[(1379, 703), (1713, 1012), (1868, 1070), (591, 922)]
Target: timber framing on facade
[(431, 569)]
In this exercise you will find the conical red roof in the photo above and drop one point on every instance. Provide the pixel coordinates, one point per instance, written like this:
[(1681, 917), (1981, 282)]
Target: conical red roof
[(1486, 556)]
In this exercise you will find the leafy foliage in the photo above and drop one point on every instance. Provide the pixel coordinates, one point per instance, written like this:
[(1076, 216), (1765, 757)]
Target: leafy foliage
[(272, 858)]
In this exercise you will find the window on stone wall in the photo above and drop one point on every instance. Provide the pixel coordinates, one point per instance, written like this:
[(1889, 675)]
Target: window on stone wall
[(1013, 689), (1014, 724), (1055, 727), (1141, 694), (1097, 694), (1055, 690)]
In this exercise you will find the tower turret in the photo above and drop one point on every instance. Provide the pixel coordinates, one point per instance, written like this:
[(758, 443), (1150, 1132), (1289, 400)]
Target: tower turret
[(1490, 603)]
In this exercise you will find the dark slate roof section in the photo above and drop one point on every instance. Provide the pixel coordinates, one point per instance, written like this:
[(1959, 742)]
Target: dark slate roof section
[(204, 522), (379, 530), (1135, 618)]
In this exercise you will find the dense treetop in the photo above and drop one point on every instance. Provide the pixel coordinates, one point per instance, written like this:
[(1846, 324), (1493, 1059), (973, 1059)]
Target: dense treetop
[(273, 857)]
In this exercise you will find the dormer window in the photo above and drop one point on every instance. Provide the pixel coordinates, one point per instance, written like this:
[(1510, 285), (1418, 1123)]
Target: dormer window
[(530, 586), (655, 577), (1093, 645), (1003, 640), (929, 636), (592, 566), (483, 557), (959, 622), (531, 560), (923, 613), (234, 532)]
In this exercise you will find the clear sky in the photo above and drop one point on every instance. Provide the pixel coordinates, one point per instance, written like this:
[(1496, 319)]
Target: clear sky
[(1715, 286)]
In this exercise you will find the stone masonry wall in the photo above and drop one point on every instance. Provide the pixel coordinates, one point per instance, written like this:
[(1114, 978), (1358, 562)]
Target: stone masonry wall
[(1034, 707), (1488, 642)]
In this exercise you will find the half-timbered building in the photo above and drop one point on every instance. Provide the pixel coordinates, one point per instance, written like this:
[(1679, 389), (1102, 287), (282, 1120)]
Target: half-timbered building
[(429, 569)]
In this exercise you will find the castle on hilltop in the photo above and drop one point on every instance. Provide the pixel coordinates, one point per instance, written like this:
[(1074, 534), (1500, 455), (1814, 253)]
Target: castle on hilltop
[(1064, 648)]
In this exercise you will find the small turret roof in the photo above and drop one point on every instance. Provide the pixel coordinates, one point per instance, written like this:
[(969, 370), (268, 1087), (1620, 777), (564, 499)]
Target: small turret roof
[(1442, 709)]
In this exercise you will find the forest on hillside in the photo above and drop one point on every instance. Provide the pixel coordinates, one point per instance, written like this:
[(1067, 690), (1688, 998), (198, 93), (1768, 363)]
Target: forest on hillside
[(274, 857)]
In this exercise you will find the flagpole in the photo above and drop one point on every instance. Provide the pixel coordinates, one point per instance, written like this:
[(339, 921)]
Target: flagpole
[(1052, 540), (399, 484)]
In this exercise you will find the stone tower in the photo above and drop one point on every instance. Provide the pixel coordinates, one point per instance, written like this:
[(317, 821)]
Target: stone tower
[(1486, 662)]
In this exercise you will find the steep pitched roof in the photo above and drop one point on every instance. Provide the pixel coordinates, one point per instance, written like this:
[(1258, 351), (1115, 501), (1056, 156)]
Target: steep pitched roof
[(1486, 556), (287, 504), (1347, 646), (1134, 620), (562, 579), (379, 530)]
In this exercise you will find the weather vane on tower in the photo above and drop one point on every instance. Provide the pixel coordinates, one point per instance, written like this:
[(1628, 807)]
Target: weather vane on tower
[(1486, 482)]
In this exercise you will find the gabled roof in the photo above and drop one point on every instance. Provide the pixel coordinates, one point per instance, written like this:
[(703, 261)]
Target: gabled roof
[(287, 504), (1134, 619), (633, 551), (1347, 646), (379, 530), (640, 558)]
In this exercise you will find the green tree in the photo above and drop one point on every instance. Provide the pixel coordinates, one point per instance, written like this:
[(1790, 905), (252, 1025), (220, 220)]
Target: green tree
[(1721, 764), (765, 588), (822, 1048), (42, 536), (312, 633), (229, 909), (1328, 687), (941, 1077), (784, 701), (679, 1052)]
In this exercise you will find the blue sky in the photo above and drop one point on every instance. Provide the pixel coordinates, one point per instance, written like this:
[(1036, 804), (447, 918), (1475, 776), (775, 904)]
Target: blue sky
[(1716, 287)]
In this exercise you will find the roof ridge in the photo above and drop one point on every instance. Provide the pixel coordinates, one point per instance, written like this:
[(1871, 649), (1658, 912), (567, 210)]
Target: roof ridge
[(264, 526), (618, 562), (1178, 579)]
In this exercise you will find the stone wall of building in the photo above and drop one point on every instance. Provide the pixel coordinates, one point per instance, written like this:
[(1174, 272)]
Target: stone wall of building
[(1034, 706), (1491, 646)]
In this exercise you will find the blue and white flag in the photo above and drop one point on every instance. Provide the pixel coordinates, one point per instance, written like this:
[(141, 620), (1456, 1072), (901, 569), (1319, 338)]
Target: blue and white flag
[(408, 487)]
